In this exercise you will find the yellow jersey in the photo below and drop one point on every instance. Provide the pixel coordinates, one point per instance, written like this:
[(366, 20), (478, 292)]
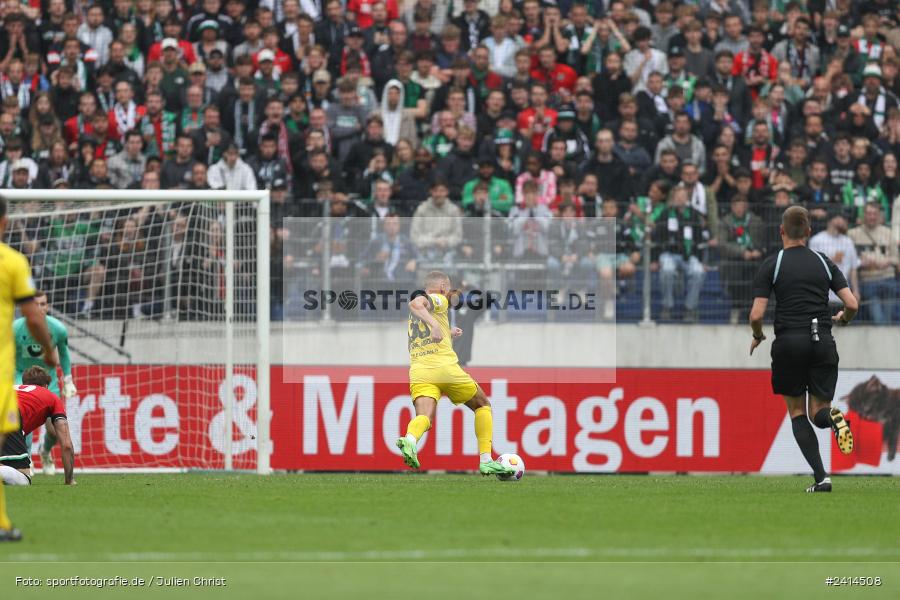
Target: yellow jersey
[(15, 284), (423, 351)]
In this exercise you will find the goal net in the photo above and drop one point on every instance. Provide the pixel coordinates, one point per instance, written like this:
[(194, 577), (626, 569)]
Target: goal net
[(165, 296)]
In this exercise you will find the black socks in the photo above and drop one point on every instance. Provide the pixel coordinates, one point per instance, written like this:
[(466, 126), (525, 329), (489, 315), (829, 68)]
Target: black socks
[(822, 419), (809, 445)]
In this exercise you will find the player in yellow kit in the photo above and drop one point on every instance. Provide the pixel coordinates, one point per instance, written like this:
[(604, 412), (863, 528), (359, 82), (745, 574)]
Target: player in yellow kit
[(434, 371), (16, 287)]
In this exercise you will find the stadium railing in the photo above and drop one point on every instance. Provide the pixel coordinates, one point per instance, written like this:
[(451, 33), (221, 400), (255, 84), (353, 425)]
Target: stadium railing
[(725, 287), (725, 290)]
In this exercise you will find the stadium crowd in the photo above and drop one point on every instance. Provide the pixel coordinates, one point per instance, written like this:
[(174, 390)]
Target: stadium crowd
[(695, 122)]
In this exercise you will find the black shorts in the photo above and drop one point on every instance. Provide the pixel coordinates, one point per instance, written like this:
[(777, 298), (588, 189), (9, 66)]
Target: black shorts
[(800, 365), (14, 445)]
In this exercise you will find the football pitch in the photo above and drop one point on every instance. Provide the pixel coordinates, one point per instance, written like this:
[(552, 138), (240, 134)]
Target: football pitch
[(453, 536)]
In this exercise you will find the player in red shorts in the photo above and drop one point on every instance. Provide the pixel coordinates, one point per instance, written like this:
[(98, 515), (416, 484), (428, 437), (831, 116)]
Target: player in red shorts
[(37, 406)]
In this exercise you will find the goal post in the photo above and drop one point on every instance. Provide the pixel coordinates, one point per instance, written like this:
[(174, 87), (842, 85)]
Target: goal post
[(165, 294)]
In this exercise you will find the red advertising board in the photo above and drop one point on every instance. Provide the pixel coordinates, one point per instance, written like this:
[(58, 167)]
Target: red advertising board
[(649, 420), (349, 418), (159, 416)]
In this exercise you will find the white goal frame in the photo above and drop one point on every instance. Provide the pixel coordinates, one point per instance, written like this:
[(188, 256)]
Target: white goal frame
[(263, 374)]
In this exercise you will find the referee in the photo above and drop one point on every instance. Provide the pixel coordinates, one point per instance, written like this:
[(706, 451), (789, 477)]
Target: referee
[(804, 354)]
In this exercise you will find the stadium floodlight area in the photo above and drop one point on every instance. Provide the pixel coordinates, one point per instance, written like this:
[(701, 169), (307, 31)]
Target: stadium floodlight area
[(165, 295)]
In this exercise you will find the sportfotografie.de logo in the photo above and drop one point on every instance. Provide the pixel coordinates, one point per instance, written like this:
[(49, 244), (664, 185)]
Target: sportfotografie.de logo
[(383, 299)]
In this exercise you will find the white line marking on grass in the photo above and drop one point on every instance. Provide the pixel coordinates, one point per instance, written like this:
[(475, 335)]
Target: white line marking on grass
[(451, 554), (318, 556), (745, 553)]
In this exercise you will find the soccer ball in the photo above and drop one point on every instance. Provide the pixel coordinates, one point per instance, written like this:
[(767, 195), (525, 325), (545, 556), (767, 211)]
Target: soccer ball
[(513, 461)]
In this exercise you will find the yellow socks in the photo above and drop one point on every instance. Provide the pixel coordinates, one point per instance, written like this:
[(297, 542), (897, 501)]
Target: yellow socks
[(484, 429), (4, 519), (418, 426)]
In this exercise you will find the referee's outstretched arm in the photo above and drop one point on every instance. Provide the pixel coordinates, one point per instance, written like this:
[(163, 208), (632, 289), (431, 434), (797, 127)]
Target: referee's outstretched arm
[(851, 307), (843, 317), (795, 231), (757, 311)]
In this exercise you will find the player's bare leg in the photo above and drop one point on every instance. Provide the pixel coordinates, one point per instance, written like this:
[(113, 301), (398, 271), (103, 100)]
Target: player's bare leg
[(806, 439), (425, 407), (484, 431), (8, 533), (825, 416)]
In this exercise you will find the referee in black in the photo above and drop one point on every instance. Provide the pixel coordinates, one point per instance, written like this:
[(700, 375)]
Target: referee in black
[(804, 354)]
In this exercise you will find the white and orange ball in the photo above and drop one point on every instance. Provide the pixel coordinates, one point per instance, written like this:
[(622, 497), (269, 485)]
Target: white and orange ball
[(512, 461)]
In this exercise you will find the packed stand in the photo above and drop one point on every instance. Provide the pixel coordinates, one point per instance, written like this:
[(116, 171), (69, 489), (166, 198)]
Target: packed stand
[(693, 123)]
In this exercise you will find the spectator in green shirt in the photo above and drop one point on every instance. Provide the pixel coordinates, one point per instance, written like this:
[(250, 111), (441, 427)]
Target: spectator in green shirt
[(500, 193), (861, 190), (175, 76)]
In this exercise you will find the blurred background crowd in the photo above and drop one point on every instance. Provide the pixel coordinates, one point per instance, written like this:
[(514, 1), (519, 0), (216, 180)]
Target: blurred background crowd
[(693, 124)]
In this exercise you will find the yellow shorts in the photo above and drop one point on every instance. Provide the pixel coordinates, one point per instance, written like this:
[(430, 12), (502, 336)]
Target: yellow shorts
[(435, 382), (9, 410)]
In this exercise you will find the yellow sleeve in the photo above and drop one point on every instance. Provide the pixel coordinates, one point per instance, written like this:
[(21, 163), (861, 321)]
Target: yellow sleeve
[(438, 303), (22, 282)]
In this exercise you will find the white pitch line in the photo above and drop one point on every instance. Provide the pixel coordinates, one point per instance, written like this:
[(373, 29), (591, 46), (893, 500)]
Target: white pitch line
[(318, 556), (460, 553), (713, 553)]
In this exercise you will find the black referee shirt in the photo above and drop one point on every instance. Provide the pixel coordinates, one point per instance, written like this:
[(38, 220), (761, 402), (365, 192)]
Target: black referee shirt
[(800, 279)]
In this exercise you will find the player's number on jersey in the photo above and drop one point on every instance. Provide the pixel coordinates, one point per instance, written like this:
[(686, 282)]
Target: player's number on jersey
[(418, 330), (26, 388)]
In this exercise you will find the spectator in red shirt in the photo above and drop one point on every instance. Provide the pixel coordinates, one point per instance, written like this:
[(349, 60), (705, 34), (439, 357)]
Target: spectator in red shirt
[(363, 11), (567, 195), (481, 78), (754, 64), (762, 155), (353, 51), (535, 120), (106, 146), (126, 113), (172, 29), (282, 61), (560, 78), (81, 123)]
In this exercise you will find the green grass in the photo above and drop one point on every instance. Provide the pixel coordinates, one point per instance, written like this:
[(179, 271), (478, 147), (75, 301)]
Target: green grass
[(346, 535)]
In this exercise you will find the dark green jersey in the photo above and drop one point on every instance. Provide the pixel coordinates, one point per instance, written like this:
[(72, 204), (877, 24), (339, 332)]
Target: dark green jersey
[(29, 353)]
